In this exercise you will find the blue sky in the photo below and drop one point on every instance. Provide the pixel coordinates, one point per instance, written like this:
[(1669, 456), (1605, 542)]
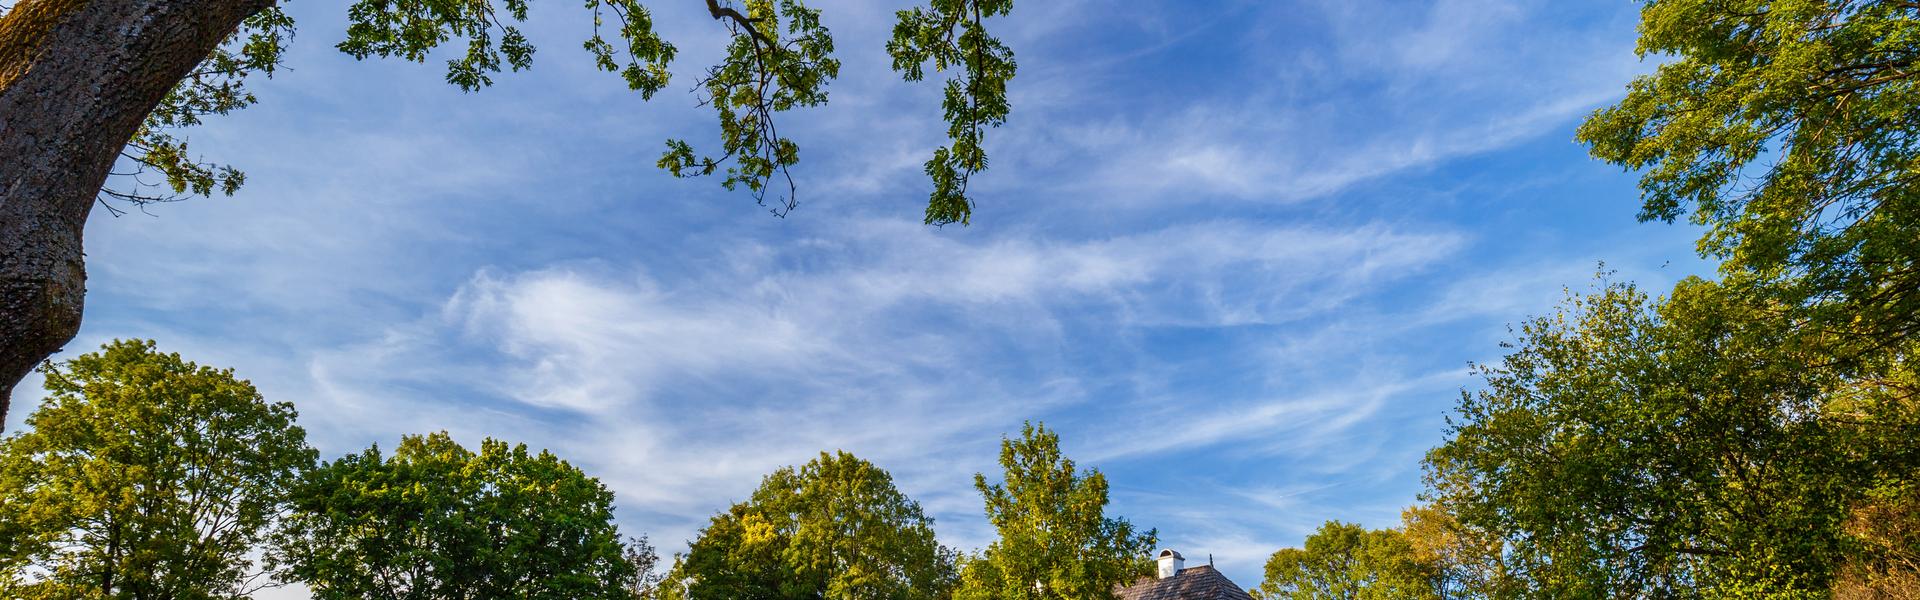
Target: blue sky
[(1239, 254)]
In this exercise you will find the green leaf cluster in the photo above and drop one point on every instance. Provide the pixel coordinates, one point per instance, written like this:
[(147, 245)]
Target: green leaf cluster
[(833, 528), (780, 58), (1684, 447), (216, 87), (1788, 129), (143, 476), (952, 34), (147, 476), (435, 520), (412, 29), (1056, 542), (647, 54)]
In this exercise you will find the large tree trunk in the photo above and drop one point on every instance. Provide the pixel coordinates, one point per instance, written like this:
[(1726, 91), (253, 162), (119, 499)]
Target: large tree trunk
[(76, 79)]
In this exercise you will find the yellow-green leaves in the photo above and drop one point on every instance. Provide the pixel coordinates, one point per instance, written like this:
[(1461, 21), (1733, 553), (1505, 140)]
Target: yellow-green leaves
[(216, 87), (1465, 561), (834, 528), (1791, 130), (951, 34), (1056, 542), (647, 54), (1345, 560), (1684, 447), (411, 29), (143, 476), (780, 58)]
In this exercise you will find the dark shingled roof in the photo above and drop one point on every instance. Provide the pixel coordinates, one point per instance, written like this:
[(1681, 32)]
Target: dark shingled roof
[(1192, 583)]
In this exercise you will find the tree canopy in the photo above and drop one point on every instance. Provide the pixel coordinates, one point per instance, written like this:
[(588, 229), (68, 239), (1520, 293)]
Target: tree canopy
[(1673, 448), (436, 520), (833, 528), (1344, 561), (143, 476), (1055, 540), (1748, 437), (1788, 129)]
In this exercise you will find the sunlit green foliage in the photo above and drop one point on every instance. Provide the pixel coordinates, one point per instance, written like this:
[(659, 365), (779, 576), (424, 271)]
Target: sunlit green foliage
[(1680, 448), (143, 476), (952, 34), (766, 71), (1344, 561), (1465, 561), (216, 87), (1056, 542), (835, 528), (412, 29), (437, 521), (1788, 128), (1756, 436)]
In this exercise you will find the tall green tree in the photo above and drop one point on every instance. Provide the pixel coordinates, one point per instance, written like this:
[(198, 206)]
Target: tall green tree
[(833, 528), (143, 476), (438, 521), (1672, 448), (1344, 561), (88, 85), (1789, 129), (1056, 542)]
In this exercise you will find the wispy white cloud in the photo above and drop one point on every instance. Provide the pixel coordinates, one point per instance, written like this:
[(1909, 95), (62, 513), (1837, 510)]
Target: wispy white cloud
[(571, 325), (1359, 90), (682, 390)]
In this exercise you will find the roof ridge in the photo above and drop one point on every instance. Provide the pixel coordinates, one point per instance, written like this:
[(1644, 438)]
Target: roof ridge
[(1198, 582)]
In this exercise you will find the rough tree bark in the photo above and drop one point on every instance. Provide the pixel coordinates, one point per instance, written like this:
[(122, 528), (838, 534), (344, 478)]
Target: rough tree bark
[(76, 79)]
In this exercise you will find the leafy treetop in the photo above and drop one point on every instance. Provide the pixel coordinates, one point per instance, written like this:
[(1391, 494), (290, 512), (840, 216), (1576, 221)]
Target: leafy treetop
[(1678, 448), (833, 528), (436, 520), (1789, 129), (1056, 541), (143, 475), (1344, 560)]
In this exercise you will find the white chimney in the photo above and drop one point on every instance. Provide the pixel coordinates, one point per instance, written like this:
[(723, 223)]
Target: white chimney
[(1171, 563)]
